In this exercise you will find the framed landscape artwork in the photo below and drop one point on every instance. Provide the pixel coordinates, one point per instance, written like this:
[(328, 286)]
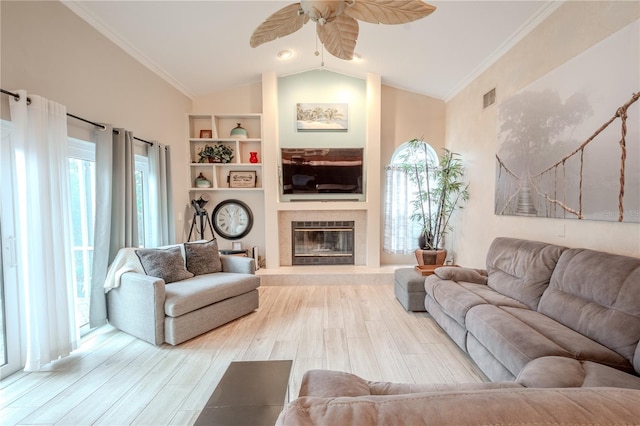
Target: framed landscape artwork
[(317, 117)]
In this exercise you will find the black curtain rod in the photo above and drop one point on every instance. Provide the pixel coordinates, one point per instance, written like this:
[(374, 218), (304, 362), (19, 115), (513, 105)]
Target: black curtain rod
[(16, 96), (136, 138), (142, 140)]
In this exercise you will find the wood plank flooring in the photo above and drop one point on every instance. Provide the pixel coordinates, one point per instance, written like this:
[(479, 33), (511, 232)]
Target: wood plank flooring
[(116, 379)]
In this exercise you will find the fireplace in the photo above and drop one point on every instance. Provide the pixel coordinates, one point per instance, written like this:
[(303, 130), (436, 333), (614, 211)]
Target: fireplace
[(322, 242)]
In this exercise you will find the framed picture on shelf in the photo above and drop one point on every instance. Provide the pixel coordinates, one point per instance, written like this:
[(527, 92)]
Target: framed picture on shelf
[(242, 179), (206, 134)]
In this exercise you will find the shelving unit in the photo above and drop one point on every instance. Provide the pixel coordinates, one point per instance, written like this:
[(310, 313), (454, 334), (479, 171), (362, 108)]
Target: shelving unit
[(219, 128)]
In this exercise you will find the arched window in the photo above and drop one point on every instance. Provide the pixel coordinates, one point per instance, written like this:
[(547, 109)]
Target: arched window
[(400, 232)]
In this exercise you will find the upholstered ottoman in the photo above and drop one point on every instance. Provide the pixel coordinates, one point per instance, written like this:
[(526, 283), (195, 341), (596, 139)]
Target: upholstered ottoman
[(409, 289)]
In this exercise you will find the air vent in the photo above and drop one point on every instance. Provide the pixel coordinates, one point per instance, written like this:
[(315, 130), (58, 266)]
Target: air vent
[(489, 98)]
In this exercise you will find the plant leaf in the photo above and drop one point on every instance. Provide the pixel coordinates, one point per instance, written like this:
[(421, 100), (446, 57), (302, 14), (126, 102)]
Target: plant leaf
[(388, 12), (282, 23)]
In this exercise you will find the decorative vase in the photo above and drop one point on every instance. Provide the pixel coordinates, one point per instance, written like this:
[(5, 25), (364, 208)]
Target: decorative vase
[(431, 257), (202, 182), (253, 157), (239, 132)]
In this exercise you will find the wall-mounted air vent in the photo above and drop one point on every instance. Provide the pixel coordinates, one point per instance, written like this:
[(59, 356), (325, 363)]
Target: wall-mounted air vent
[(489, 98)]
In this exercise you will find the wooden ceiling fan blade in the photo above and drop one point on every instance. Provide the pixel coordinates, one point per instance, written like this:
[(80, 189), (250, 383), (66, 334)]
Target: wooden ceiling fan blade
[(282, 23), (389, 12), (339, 36)]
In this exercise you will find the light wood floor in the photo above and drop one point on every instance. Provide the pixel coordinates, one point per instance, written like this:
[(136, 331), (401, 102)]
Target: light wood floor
[(115, 379)]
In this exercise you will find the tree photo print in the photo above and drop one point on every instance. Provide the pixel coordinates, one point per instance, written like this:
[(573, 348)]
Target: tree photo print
[(569, 143)]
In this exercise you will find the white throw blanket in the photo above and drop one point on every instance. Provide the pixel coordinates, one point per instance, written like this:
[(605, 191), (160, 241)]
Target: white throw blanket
[(125, 261)]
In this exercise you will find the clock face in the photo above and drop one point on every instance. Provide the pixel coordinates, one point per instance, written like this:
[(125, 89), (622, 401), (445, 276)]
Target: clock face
[(232, 219)]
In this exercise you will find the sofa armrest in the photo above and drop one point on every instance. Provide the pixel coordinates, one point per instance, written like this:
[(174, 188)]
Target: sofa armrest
[(469, 275), (561, 372), (137, 306), (495, 406), (337, 384), (238, 264)]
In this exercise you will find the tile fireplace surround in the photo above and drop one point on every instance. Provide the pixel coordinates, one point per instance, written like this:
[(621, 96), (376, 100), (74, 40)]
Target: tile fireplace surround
[(284, 230)]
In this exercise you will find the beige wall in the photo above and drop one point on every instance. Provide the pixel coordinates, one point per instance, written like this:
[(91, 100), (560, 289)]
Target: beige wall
[(470, 130), (48, 50), (237, 100)]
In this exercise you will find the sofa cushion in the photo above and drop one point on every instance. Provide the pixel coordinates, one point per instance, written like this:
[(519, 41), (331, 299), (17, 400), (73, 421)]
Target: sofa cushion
[(167, 264), (579, 346), (521, 269), (203, 290), (469, 275), (513, 343), (517, 336), (456, 298), (560, 372), (455, 331), (203, 257), (597, 294)]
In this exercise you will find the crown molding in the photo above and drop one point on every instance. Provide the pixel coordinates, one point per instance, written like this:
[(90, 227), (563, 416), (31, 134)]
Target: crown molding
[(535, 20), (104, 29)]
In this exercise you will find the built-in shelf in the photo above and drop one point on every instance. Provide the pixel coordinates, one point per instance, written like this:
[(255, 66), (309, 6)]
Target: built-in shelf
[(218, 129)]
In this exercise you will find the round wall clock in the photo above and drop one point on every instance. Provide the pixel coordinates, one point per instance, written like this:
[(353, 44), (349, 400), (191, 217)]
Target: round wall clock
[(232, 219)]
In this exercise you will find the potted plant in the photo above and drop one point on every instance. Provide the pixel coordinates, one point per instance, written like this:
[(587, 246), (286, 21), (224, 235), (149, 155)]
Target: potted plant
[(218, 153), (440, 191), (205, 154), (222, 154)]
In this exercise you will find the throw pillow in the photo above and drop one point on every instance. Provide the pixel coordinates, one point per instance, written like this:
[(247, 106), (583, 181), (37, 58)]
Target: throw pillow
[(167, 264), (461, 274), (203, 258)]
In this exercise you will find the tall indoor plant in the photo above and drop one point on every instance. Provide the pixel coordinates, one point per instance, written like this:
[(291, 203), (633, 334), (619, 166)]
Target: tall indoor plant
[(440, 191)]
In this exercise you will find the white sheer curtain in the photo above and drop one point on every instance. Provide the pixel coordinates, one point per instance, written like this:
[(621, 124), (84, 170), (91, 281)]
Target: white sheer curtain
[(162, 229), (42, 206), (400, 233), (116, 222)]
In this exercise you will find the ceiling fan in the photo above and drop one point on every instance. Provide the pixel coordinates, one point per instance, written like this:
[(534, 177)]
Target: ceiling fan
[(337, 20)]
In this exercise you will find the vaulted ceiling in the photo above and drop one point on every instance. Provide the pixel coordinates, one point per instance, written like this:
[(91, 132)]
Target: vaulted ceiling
[(202, 47)]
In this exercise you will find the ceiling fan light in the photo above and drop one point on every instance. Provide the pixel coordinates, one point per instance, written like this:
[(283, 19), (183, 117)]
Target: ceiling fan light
[(285, 54), (337, 21)]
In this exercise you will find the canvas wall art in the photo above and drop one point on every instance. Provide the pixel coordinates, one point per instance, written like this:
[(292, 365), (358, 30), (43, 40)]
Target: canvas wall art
[(569, 143), (322, 117)]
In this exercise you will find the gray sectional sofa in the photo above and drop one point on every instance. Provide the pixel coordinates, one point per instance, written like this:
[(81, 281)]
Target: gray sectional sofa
[(575, 310), (158, 301), (337, 398), (556, 329)]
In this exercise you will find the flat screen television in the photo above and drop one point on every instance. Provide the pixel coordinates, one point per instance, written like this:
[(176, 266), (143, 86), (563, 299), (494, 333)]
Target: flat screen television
[(322, 170)]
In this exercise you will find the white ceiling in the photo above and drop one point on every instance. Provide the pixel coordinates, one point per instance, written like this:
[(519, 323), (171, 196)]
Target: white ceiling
[(202, 47)]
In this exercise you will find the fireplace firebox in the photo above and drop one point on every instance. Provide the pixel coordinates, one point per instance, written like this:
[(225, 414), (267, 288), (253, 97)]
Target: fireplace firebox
[(322, 243)]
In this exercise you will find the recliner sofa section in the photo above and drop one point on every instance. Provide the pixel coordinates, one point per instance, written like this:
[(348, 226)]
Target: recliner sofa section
[(538, 307)]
